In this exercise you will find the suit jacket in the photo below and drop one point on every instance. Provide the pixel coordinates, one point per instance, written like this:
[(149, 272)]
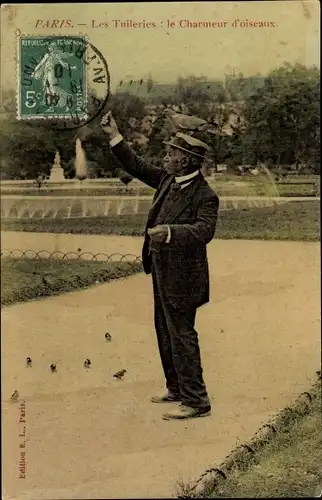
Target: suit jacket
[(182, 264)]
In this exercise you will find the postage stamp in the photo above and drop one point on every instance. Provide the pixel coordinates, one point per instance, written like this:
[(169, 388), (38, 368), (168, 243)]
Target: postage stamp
[(61, 78)]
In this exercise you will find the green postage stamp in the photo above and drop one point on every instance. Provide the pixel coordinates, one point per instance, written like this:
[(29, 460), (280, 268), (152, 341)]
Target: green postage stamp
[(52, 78)]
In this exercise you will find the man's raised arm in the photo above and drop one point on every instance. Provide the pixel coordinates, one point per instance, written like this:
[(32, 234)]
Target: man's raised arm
[(133, 164)]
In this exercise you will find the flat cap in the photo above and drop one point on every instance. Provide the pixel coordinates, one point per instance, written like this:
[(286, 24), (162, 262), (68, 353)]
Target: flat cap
[(188, 144)]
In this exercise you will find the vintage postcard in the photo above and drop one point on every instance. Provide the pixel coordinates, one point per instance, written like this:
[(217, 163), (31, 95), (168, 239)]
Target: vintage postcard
[(160, 244)]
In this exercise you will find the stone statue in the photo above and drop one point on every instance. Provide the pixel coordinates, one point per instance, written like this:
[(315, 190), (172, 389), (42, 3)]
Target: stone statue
[(56, 172)]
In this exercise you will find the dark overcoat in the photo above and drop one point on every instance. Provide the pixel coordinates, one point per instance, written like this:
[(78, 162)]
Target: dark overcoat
[(182, 264)]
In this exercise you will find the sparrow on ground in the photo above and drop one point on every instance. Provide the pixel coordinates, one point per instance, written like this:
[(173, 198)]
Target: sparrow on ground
[(87, 363), (53, 367), (120, 374), (28, 361), (15, 395), (108, 336)]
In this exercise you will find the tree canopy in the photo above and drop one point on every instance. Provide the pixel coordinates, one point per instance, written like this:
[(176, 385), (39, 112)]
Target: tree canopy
[(283, 117), (276, 120)]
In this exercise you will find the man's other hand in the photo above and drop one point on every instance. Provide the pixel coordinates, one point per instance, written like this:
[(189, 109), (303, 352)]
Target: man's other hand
[(158, 234), (109, 125)]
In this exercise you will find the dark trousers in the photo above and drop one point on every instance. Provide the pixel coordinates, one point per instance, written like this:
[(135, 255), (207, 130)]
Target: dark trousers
[(179, 348)]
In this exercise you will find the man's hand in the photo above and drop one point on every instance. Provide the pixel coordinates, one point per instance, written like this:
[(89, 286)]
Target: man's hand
[(158, 234), (109, 125)]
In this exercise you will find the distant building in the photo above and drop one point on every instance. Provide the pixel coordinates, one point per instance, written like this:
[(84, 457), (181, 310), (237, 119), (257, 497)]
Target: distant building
[(168, 90), (235, 87), (147, 92), (239, 87)]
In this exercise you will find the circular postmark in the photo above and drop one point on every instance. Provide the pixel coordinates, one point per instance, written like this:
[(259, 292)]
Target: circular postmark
[(63, 80)]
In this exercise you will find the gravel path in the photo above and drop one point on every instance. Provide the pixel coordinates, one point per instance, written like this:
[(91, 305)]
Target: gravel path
[(91, 436)]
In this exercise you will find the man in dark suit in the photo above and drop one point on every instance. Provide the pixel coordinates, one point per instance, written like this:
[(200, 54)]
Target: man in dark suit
[(181, 221)]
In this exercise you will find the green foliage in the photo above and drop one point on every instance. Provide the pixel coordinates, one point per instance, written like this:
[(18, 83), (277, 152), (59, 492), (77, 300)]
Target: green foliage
[(27, 151), (196, 94), (276, 120), (283, 117), (125, 106), (26, 279)]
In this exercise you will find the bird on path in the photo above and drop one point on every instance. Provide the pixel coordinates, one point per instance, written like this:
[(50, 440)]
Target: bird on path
[(120, 374), (28, 361), (108, 336), (53, 367), (87, 363), (15, 395)]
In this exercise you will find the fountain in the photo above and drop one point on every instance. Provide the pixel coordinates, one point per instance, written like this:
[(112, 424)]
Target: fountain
[(273, 191), (80, 161), (235, 195), (56, 171)]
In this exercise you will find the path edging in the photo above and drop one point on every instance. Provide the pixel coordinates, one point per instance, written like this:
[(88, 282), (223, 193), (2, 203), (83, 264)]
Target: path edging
[(281, 421)]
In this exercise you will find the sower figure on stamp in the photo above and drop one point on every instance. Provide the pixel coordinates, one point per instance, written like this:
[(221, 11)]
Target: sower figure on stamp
[(181, 221)]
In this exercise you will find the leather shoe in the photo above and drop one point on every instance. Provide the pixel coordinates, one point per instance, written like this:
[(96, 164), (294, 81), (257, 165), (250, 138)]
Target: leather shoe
[(167, 397), (184, 412)]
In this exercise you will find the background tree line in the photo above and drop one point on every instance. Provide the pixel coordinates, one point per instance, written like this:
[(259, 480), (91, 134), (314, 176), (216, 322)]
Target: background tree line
[(276, 122)]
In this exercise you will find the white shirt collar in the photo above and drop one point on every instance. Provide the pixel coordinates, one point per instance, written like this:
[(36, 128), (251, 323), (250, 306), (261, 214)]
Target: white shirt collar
[(187, 177)]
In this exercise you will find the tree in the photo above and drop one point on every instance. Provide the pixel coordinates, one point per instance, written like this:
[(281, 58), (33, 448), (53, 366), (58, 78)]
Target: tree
[(193, 93), (283, 117), (27, 152), (221, 143), (126, 106)]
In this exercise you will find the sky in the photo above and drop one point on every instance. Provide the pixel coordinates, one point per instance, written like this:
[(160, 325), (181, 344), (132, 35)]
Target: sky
[(166, 52)]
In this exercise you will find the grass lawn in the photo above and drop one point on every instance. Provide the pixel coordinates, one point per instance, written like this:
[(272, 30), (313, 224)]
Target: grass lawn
[(295, 221), (290, 466), (26, 279)]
